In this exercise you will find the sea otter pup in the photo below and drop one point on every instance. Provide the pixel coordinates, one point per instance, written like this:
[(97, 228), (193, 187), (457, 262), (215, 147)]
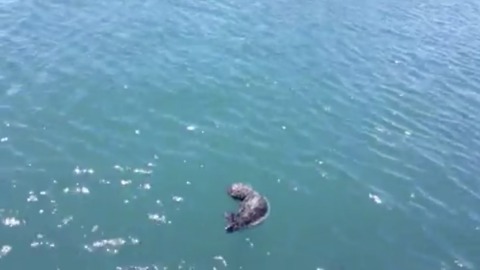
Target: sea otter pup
[(253, 208)]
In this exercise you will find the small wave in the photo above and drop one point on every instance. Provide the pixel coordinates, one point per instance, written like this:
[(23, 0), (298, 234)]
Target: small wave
[(177, 198), (112, 245), (375, 198), (78, 171), (159, 218), (77, 190), (41, 241), (65, 222), (142, 171), (435, 201), (135, 170), (146, 267), (221, 259), (124, 182)]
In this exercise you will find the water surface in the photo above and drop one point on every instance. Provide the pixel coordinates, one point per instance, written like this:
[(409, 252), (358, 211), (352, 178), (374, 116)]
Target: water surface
[(122, 123)]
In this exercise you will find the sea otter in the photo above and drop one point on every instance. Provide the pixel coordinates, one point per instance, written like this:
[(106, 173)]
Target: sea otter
[(253, 208)]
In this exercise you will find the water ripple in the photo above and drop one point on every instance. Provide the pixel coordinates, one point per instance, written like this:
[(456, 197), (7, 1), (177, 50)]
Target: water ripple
[(369, 111)]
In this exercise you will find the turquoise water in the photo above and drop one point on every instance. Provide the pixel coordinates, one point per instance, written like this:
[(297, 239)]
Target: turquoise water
[(122, 123)]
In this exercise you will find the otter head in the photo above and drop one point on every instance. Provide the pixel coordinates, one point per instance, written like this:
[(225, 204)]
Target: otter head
[(239, 191)]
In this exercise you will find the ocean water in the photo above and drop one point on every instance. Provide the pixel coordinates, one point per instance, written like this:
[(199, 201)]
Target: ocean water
[(123, 122)]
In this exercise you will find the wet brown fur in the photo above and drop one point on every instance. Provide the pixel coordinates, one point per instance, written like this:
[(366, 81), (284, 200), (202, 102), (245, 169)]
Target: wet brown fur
[(253, 207)]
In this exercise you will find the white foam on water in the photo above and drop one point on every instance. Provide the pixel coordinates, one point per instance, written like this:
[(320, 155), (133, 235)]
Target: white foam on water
[(181, 265), (78, 171), (124, 182), (104, 181), (118, 168), (142, 171), (35, 244), (177, 198), (111, 245), (5, 250), (106, 243), (463, 263), (55, 209), (191, 128), (249, 242), (11, 222), (457, 262), (65, 221), (41, 241), (4, 139), (77, 190), (32, 197), (375, 198), (133, 240), (147, 267), (221, 259), (158, 218)]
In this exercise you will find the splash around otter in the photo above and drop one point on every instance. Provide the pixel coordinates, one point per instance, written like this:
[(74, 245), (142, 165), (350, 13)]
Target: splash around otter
[(254, 208)]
